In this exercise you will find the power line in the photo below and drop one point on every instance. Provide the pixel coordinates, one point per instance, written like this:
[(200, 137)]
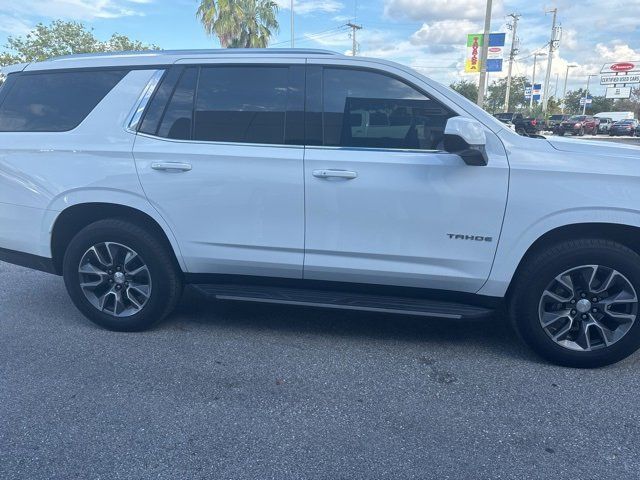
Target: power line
[(312, 36)]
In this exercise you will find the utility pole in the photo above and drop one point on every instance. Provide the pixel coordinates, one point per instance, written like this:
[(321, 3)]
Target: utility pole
[(483, 54), (553, 46), (512, 56), (564, 92), (586, 94), (292, 35), (533, 77), (354, 28)]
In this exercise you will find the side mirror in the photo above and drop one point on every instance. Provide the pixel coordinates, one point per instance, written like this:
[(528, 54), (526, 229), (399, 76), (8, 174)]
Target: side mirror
[(465, 137)]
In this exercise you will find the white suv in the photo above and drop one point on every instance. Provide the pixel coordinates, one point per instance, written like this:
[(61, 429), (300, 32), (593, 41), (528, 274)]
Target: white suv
[(310, 178)]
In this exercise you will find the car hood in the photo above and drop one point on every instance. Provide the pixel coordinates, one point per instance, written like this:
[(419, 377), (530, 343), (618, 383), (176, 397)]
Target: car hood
[(595, 147)]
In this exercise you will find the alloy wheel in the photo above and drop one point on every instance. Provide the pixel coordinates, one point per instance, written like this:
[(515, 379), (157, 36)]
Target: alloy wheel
[(115, 279), (588, 308)]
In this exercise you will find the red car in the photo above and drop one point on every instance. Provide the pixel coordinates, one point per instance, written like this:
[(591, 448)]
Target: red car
[(579, 125)]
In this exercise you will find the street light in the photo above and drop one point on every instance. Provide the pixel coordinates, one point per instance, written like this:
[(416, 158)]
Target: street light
[(564, 93), (292, 35), (586, 93), (533, 77)]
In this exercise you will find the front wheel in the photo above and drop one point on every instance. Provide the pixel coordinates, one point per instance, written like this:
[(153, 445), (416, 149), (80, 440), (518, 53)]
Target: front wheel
[(121, 276), (576, 304)]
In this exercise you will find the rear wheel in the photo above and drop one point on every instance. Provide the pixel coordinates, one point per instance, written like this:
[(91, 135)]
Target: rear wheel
[(576, 304), (120, 276)]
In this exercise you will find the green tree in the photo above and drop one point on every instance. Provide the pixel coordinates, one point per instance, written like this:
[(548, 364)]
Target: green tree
[(629, 104), (62, 38), (498, 91), (599, 103), (239, 23), (466, 88)]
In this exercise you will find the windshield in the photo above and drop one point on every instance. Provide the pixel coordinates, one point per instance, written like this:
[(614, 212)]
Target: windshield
[(626, 122), (556, 117), (504, 116), (578, 118)]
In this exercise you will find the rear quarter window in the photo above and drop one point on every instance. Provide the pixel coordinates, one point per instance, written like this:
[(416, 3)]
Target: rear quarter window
[(54, 101)]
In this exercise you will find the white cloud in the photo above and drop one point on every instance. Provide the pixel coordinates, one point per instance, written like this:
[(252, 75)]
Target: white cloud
[(443, 32), (14, 26), (75, 9), (304, 7), (433, 10)]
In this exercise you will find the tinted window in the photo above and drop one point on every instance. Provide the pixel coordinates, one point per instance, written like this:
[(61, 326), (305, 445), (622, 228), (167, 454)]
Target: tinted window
[(393, 114), (157, 105), (54, 102), (242, 104), (177, 119)]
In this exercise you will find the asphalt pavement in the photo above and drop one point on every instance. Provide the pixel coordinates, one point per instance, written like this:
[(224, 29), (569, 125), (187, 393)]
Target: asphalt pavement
[(225, 390)]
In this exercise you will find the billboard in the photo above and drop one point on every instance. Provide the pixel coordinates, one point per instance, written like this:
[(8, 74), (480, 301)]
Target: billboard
[(495, 52)]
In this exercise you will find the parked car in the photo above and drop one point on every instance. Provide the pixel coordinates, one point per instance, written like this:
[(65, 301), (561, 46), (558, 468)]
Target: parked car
[(254, 176), (554, 122), (624, 128), (605, 125), (579, 125), (522, 125)]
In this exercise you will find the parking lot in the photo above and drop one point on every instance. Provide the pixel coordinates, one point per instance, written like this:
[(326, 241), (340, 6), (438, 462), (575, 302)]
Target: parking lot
[(605, 138), (226, 390)]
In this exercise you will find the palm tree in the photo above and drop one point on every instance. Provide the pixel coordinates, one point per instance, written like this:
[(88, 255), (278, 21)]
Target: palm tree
[(239, 23)]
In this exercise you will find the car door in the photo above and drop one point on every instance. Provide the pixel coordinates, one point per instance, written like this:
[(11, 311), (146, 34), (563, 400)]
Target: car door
[(392, 207), (219, 155)]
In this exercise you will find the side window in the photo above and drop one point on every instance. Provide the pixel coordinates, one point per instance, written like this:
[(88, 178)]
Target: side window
[(245, 104), (54, 101), (177, 120), (368, 109)]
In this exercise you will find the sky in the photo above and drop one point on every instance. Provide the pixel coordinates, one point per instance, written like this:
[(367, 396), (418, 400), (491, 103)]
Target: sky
[(428, 35)]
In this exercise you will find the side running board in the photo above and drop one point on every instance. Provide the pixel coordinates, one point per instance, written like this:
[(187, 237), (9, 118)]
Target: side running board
[(344, 301)]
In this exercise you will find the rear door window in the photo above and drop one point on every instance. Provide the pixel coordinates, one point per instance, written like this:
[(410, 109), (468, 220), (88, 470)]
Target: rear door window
[(245, 104), (54, 101), (178, 117)]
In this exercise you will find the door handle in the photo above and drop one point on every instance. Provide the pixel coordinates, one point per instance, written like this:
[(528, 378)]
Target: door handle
[(329, 173), (171, 166)]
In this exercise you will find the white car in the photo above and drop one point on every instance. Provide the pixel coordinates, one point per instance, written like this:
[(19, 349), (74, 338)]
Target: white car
[(239, 171)]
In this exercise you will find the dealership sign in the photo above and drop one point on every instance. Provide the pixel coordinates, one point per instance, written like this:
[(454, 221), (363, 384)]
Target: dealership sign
[(620, 79), (495, 52), (536, 90), (618, 92), (620, 67)]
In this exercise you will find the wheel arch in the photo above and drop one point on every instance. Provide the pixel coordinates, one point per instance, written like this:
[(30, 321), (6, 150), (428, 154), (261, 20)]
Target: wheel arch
[(626, 235), (74, 218)]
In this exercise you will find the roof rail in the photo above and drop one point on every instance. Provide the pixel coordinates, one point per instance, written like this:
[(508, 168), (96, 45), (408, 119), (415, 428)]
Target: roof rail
[(212, 51)]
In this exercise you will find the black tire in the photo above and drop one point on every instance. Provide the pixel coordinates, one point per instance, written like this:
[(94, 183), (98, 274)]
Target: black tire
[(581, 132), (166, 278), (536, 274)]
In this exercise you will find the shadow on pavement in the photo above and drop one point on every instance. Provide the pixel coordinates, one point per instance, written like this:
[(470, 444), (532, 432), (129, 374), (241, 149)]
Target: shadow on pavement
[(493, 334)]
